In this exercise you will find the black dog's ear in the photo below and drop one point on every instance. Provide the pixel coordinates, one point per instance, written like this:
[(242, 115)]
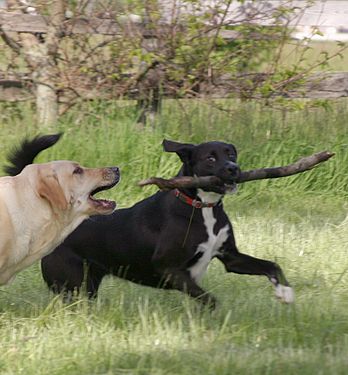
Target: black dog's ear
[(182, 149)]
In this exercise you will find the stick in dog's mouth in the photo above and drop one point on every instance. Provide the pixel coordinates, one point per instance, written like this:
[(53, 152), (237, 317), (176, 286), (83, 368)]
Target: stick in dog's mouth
[(301, 165)]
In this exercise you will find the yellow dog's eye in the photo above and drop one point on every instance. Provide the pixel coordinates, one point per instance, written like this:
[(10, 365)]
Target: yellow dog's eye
[(78, 170)]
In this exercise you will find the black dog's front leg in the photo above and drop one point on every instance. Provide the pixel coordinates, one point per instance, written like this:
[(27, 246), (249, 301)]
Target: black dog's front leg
[(170, 265), (181, 280), (236, 262)]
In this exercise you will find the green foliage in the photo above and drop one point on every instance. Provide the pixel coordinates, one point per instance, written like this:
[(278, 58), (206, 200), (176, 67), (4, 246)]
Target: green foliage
[(183, 53)]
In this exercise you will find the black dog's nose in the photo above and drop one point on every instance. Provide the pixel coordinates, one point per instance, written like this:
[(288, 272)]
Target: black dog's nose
[(233, 169)]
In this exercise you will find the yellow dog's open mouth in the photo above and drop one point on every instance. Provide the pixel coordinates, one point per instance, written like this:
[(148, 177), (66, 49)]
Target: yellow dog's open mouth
[(103, 204)]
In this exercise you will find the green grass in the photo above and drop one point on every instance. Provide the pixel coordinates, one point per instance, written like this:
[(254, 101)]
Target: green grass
[(316, 52), (298, 221)]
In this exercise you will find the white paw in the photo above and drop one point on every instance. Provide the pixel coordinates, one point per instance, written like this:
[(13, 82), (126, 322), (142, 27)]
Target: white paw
[(285, 293)]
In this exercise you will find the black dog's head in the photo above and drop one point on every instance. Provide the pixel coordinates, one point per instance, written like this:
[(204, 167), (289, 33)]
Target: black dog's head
[(208, 159)]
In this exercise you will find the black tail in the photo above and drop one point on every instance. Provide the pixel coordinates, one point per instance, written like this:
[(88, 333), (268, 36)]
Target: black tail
[(25, 154)]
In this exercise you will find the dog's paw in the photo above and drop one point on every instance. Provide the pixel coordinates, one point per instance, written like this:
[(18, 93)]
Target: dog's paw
[(285, 293)]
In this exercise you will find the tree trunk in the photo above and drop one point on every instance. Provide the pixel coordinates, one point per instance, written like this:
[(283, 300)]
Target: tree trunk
[(46, 92), (46, 104), (43, 68), (40, 53)]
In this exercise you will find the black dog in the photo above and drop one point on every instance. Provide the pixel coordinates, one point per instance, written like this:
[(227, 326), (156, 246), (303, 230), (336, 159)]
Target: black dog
[(166, 240)]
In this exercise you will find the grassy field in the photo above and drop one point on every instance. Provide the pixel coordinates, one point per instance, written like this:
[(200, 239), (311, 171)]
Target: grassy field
[(299, 221)]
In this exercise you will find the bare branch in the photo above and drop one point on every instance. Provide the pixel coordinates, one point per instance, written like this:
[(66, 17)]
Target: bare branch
[(10, 42), (302, 165)]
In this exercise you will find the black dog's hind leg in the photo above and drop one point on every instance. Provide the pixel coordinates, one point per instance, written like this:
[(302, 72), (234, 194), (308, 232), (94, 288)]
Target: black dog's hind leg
[(65, 272), (95, 275), (236, 262)]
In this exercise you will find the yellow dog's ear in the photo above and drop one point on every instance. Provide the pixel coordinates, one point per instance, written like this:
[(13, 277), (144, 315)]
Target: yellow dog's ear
[(50, 189)]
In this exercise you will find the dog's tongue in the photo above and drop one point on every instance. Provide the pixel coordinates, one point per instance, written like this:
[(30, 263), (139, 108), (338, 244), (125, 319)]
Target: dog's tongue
[(106, 204)]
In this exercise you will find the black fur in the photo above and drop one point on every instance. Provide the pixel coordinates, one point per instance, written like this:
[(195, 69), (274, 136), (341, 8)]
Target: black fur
[(26, 152)]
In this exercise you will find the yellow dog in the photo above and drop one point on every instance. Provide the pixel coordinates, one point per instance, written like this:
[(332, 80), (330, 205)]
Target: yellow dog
[(44, 203)]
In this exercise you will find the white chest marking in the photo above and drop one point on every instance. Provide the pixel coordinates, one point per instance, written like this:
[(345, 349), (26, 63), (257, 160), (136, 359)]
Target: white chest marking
[(209, 248)]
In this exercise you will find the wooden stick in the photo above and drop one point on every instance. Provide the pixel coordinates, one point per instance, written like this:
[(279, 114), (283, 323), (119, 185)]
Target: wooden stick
[(302, 165)]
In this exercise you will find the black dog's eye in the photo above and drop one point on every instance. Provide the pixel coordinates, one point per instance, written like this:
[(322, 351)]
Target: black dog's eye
[(78, 170), (211, 159), (232, 157)]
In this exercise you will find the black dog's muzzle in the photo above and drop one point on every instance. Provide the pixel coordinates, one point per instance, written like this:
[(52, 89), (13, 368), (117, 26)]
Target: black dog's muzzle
[(231, 172)]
